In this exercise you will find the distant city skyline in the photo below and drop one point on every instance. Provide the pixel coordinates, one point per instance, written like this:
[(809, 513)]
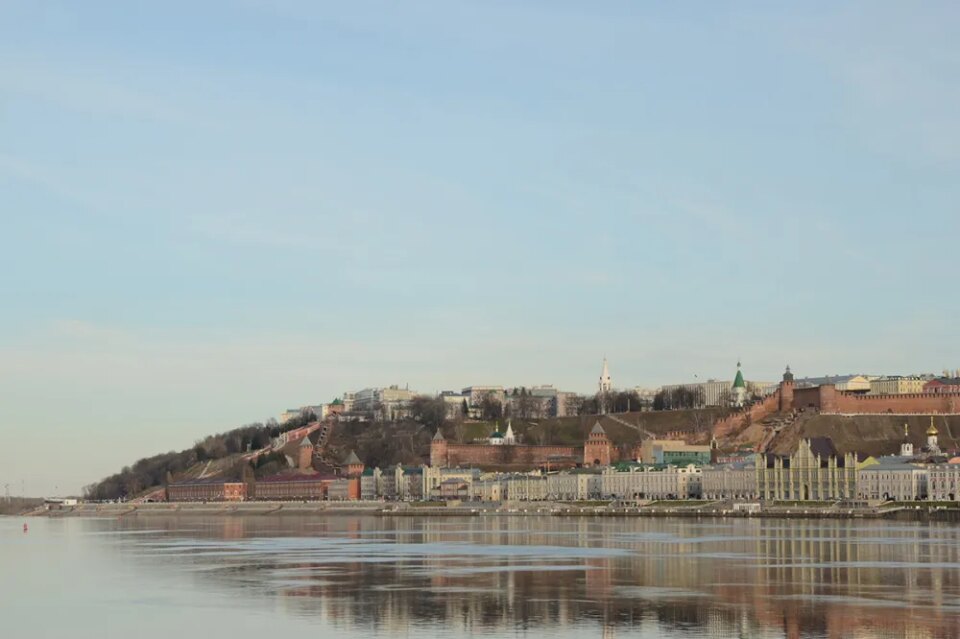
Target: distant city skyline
[(215, 211)]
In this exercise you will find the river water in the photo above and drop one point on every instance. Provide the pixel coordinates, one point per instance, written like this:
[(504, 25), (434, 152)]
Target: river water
[(345, 576)]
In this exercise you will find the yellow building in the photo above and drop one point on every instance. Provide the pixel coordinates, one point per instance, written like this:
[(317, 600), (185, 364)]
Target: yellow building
[(897, 385)]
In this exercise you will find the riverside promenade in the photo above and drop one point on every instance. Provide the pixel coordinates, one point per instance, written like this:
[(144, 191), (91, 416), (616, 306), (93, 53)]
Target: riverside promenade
[(897, 512)]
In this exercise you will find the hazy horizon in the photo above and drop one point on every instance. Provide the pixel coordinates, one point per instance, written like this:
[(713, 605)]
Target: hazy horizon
[(215, 212)]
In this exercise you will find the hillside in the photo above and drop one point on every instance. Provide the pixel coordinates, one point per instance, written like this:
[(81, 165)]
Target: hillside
[(384, 444), (868, 434)]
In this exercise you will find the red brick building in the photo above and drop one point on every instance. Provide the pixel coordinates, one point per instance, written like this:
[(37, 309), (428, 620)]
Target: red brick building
[(214, 489), (289, 487)]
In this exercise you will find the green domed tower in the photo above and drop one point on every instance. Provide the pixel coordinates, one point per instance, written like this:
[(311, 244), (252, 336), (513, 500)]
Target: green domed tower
[(739, 390)]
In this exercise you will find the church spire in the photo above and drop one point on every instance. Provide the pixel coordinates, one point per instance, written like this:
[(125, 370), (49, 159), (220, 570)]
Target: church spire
[(605, 384)]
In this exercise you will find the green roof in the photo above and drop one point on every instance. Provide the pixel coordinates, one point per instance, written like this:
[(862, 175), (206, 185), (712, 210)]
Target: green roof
[(738, 380), (337, 402), (496, 434)]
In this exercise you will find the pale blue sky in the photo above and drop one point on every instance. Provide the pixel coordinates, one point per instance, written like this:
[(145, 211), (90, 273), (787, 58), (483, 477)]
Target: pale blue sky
[(212, 211)]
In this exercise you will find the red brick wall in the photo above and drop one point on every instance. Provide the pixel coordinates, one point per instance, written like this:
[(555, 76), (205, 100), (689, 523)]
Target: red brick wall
[(827, 399), (806, 398), (517, 455), (921, 403)]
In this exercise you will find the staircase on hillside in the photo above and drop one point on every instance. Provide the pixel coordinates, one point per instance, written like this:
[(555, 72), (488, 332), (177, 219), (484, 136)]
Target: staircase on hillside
[(320, 448), (637, 427)]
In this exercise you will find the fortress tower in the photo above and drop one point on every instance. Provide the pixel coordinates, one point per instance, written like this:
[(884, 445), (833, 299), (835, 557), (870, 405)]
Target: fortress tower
[(305, 454), (598, 450), (438, 450), (352, 466), (786, 391)]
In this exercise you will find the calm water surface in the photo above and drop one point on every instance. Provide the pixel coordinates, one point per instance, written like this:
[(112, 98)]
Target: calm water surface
[(494, 577)]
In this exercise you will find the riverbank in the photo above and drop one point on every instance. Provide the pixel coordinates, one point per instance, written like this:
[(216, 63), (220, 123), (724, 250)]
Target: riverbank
[(906, 512)]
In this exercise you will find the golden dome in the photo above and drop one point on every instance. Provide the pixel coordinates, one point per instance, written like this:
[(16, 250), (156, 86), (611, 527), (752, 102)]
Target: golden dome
[(933, 429)]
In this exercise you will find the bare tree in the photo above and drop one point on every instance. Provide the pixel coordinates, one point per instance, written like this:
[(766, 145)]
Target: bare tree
[(459, 428)]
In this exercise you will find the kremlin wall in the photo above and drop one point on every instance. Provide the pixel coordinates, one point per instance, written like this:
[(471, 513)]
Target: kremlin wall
[(597, 450), (827, 400)]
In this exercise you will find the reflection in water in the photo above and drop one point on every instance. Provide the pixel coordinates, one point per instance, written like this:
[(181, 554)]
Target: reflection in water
[(510, 575)]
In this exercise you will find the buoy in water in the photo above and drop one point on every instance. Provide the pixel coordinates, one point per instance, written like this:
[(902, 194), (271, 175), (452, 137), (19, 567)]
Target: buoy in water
[(25, 527)]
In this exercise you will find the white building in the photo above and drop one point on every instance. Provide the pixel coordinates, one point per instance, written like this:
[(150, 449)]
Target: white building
[(525, 487), (943, 482), (636, 481), (454, 404), (391, 402), (892, 478), (573, 486), (730, 481), (434, 476)]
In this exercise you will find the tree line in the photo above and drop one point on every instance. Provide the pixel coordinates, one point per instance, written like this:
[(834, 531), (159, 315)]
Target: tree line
[(153, 471)]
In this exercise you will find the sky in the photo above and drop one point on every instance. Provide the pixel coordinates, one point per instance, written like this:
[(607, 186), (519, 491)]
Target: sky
[(214, 211)]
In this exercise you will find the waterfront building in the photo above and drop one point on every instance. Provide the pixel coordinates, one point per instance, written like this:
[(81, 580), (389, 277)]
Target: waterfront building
[(344, 489), (369, 483), (815, 472), (400, 483), (525, 487), (575, 485), (451, 489), (632, 481), (891, 478), (943, 482), (312, 486), (736, 481), (211, 489), (432, 477), (490, 489)]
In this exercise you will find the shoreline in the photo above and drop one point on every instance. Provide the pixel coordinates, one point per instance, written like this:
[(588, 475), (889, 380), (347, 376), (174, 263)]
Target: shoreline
[(402, 509)]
